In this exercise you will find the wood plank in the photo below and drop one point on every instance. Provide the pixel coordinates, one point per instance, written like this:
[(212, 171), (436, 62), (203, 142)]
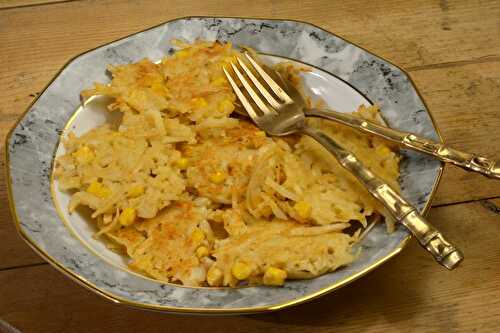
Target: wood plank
[(410, 292), (428, 31), (5, 4), (464, 101)]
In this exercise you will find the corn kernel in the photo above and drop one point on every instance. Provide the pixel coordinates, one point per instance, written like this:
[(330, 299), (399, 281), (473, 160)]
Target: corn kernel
[(182, 53), (383, 150), (217, 177), (241, 271), (197, 236), (99, 190), (303, 209), (127, 217), (219, 81), (199, 102), (260, 134), (201, 252), (84, 155), (135, 191), (182, 163), (274, 276), (214, 276), (159, 88), (226, 106)]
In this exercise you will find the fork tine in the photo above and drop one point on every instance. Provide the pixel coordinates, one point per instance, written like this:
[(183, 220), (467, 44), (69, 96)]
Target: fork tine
[(272, 84), (270, 99), (260, 103), (246, 104)]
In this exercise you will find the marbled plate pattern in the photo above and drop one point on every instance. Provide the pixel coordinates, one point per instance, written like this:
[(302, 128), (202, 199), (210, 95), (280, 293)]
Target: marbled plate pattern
[(32, 144)]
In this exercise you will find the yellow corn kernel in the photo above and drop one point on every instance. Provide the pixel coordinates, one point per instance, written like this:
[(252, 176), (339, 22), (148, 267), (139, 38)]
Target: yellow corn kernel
[(214, 276), (182, 163), (84, 155), (135, 191), (159, 88), (127, 217), (182, 53), (226, 106), (260, 134), (241, 271), (219, 81), (274, 276), (303, 209), (199, 102), (383, 150), (217, 177), (197, 236), (99, 190), (202, 251)]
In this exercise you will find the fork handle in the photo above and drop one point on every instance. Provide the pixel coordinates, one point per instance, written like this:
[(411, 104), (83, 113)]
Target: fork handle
[(402, 211), (467, 161)]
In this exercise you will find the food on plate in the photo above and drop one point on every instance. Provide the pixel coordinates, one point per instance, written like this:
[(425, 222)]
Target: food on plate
[(194, 194)]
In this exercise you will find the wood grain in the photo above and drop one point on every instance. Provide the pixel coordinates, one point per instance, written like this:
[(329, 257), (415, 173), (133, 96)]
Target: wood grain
[(410, 293), (464, 102), (428, 31)]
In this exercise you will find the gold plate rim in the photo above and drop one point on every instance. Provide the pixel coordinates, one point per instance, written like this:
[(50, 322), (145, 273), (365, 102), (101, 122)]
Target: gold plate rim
[(120, 300)]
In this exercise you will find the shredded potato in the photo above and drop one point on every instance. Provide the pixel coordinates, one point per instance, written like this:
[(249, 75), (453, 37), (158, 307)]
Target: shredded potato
[(194, 196)]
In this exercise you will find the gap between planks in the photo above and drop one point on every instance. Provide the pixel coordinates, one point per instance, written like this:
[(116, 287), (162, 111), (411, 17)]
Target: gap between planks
[(465, 201), (485, 59), (23, 266), (5, 5)]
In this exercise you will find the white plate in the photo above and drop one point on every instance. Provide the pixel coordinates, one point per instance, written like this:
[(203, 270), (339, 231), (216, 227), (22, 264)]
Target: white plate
[(65, 241)]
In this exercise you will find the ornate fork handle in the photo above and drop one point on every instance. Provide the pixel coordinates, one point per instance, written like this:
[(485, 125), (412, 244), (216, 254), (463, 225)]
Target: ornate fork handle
[(469, 162), (428, 236)]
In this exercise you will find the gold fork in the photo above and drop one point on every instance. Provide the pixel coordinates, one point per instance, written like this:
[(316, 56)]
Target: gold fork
[(438, 150), (279, 114)]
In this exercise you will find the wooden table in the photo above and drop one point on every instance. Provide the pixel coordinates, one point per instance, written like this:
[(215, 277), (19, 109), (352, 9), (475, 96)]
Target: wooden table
[(452, 51)]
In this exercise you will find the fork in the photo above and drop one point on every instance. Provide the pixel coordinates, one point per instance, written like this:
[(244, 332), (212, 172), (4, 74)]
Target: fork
[(279, 114), (438, 150)]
